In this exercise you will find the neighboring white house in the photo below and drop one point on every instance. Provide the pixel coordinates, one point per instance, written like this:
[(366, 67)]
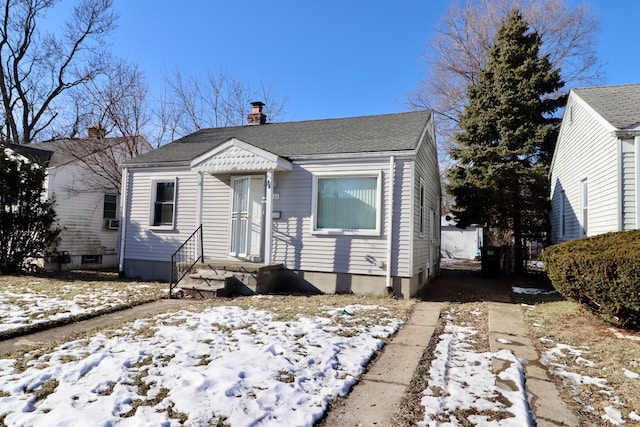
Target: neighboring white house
[(86, 204), (348, 204), (457, 242), (595, 172)]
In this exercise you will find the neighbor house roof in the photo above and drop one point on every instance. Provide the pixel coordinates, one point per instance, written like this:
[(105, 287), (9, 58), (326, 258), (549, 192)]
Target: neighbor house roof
[(387, 132), (61, 154), (41, 156), (619, 105)]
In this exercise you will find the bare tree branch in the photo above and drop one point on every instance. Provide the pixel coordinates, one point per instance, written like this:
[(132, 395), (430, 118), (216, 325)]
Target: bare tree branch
[(36, 69), (189, 104)]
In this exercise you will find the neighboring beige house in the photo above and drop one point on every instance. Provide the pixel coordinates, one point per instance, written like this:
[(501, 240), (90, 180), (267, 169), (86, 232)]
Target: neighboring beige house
[(87, 203), (595, 172), (348, 205)]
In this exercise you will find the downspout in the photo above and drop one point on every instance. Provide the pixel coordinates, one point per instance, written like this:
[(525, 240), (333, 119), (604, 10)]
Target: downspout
[(392, 183), (123, 218)]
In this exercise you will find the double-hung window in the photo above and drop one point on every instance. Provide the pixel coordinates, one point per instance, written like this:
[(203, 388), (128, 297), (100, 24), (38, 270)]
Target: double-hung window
[(584, 207), (423, 208), (163, 203), (110, 206), (347, 203)]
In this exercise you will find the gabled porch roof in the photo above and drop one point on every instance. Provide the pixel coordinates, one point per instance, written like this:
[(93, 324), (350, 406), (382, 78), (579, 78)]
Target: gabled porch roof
[(238, 156)]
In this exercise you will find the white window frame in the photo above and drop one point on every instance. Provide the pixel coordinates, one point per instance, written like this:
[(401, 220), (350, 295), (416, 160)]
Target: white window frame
[(154, 188), (339, 231), (422, 202), (584, 207), (104, 202), (563, 214)]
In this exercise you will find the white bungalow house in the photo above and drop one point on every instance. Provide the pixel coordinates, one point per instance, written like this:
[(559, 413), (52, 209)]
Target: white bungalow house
[(87, 195), (595, 171), (344, 205)]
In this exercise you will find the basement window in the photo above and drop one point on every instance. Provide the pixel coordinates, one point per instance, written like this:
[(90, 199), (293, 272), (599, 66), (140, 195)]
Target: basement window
[(91, 259)]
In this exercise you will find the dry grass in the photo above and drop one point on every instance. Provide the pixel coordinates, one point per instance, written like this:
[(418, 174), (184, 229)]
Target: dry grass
[(558, 321), (42, 301)]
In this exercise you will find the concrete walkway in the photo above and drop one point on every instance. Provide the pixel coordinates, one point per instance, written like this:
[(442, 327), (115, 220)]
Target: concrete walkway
[(375, 399)]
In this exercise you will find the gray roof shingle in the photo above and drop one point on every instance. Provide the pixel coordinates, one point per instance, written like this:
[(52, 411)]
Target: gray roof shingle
[(619, 105), (387, 132)]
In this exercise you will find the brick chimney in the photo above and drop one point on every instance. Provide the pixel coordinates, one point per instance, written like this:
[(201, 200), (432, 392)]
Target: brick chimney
[(96, 131), (256, 117)]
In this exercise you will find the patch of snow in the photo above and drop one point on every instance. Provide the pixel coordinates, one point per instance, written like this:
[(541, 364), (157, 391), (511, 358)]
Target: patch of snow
[(622, 336), (630, 374), (633, 416), (504, 341), (21, 308), (462, 379), (613, 416), (531, 291), (222, 365), (552, 359)]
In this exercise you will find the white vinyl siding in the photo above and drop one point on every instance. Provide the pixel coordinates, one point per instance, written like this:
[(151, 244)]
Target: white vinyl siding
[(297, 246), (426, 180), (216, 202), (140, 237), (586, 148), (80, 213), (629, 190)]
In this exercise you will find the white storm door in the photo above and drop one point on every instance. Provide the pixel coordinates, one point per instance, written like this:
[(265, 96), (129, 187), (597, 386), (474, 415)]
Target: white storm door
[(239, 216), (246, 217)]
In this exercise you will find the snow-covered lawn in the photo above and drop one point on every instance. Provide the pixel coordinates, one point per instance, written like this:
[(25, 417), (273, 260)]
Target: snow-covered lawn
[(265, 364), (27, 302)]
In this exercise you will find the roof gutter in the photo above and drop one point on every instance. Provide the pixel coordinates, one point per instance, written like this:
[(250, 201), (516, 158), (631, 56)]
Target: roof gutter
[(156, 164), (626, 133)]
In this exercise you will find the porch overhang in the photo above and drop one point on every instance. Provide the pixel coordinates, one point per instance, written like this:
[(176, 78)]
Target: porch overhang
[(238, 156)]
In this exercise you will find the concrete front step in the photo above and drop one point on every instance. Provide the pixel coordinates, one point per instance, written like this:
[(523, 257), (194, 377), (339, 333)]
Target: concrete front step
[(223, 278)]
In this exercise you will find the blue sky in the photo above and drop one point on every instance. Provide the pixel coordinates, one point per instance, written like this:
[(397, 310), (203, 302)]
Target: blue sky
[(331, 58)]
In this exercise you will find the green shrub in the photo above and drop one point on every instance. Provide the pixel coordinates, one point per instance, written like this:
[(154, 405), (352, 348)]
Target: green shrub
[(601, 272)]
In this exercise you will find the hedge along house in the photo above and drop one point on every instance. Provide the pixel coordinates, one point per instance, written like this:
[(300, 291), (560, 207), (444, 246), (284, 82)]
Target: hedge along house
[(595, 171), (348, 205)]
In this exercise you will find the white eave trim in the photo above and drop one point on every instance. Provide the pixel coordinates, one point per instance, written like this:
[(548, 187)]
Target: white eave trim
[(238, 156)]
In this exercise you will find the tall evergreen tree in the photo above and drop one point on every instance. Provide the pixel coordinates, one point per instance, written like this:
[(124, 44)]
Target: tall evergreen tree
[(27, 220), (507, 137)]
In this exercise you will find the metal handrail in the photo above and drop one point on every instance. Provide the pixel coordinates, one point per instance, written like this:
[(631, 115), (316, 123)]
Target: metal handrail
[(183, 260)]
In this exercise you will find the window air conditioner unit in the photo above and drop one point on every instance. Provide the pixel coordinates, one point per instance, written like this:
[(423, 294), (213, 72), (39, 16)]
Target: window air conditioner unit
[(113, 224)]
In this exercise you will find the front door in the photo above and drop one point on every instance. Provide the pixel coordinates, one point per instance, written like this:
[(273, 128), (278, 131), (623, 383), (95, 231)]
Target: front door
[(247, 194)]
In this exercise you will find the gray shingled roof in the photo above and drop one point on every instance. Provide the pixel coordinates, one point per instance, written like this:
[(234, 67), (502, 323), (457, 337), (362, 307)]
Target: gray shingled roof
[(619, 105), (387, 132)]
